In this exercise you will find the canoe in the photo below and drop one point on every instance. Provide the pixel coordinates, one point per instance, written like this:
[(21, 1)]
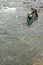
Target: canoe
[(29, 22)]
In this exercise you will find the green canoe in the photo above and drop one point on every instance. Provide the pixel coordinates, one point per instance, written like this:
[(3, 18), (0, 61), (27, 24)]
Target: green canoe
[(29, 22)]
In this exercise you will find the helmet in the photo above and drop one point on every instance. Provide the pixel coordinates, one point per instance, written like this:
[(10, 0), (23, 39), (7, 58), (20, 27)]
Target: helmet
[(30, 15)]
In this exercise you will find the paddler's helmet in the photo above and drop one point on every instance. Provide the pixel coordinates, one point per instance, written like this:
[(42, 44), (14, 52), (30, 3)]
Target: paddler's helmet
[(30, 15)]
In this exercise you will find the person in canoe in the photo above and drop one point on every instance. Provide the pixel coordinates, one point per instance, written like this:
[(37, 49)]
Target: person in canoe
[(32, 16), (29, 17), (34, 13)]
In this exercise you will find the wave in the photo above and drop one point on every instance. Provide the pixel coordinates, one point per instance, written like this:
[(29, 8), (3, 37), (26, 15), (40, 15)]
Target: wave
[(7, 9)]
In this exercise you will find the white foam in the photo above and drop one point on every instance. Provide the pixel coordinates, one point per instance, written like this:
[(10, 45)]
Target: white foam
[(7, 9)]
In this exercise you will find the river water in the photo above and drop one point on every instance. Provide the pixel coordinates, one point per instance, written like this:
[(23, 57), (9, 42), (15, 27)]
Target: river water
[(20, 44)]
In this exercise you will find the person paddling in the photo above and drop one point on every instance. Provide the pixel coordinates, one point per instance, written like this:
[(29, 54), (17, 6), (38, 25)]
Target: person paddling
[(29, 16)]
